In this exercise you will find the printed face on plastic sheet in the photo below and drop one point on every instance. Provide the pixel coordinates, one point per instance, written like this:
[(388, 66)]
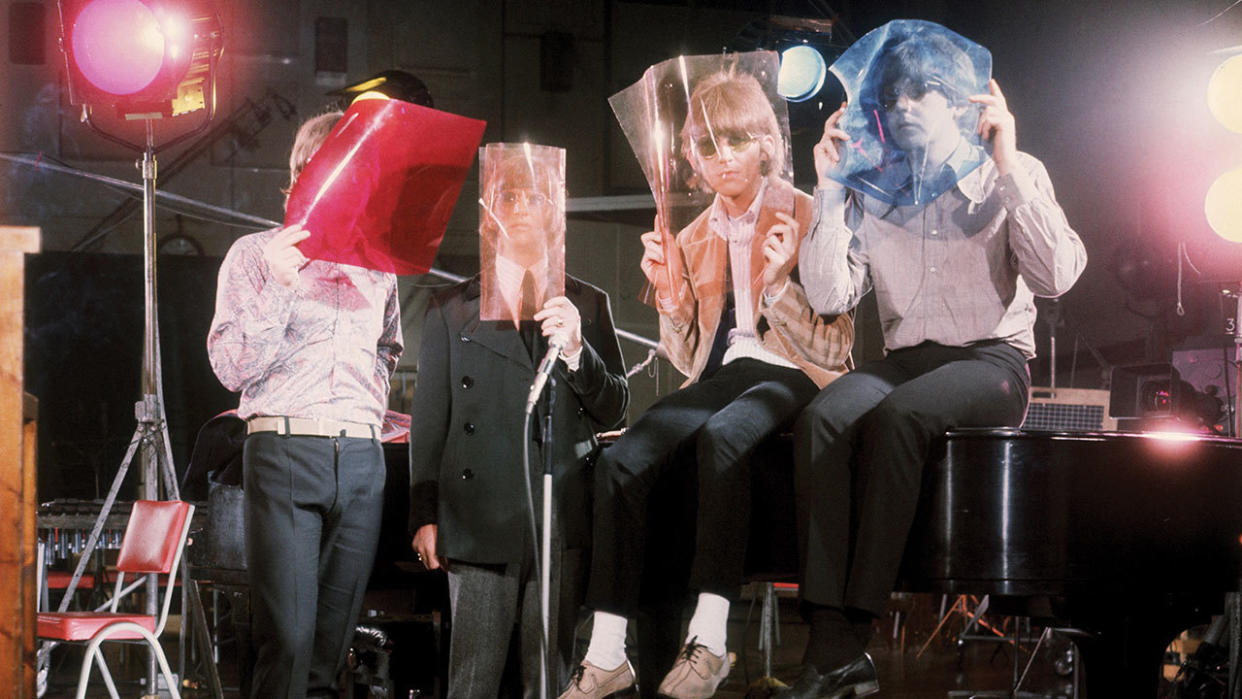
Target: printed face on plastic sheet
[(703, 126), (912, 127), (521, 229)]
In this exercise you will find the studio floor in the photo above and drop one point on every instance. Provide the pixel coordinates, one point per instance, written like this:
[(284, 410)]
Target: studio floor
[(946, 667)]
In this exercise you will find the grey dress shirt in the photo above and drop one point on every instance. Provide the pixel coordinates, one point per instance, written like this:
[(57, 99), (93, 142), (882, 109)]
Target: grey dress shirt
[(961, 269)]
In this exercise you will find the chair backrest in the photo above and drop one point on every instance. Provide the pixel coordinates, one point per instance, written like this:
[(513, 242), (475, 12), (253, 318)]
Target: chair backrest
[(154, 536), (154, 540)]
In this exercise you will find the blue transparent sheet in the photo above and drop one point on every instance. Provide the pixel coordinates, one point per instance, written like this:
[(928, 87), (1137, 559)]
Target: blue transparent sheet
[(875, 162)]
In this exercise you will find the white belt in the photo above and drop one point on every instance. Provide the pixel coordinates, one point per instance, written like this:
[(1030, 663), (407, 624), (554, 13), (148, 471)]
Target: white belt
[(311, 427)]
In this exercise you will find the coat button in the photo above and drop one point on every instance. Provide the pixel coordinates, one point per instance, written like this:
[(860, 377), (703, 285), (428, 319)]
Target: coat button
[(467, 381), (581, 411), (468, 427), (467, 474)]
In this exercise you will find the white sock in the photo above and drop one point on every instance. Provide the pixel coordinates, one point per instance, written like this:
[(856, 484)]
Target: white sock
[(607, 648), (710, 623)]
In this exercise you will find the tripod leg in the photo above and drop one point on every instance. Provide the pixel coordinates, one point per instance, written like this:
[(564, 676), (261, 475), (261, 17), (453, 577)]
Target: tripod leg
[(101, 520)]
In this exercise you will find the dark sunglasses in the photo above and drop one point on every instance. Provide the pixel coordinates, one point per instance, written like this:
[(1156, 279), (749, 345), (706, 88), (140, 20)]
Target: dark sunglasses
[(913, 90)]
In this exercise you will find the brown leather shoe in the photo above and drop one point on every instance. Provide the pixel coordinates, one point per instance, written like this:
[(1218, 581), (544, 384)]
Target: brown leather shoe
[(696, 674), (591, 682)]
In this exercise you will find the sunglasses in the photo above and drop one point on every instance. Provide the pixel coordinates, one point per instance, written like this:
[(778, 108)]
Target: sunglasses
[(709, 148), (914, 90), (509, 198)]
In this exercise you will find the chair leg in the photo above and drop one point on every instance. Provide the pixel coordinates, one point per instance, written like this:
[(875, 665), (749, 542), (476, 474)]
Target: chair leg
[(93, 652), (163, 661)]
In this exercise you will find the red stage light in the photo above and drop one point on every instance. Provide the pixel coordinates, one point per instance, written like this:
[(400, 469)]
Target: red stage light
[(144, 56)]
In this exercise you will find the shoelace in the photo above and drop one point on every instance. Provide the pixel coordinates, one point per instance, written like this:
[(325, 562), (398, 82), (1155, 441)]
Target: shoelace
[(575, 678), (692, 649)]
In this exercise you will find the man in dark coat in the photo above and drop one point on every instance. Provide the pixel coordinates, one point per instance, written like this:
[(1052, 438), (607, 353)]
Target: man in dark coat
[(468, 506)]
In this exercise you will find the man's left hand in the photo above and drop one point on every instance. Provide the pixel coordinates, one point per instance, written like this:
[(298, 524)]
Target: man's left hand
[(559, 319), (996, 124), (779, 250)]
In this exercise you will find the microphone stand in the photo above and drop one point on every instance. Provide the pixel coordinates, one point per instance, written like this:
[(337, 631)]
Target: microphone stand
[(545, 578)]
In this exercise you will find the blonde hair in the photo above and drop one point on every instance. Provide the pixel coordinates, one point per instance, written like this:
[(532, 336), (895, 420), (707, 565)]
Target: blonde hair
[(311, 135), (733, 101)]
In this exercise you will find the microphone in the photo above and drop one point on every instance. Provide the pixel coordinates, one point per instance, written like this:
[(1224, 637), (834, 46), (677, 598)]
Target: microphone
[(555, 345)]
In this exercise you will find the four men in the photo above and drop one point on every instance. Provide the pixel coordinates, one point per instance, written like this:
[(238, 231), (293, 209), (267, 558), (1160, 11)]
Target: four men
[(955, 233)]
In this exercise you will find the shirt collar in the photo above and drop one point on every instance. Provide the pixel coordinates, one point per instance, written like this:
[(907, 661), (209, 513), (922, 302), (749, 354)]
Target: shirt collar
[(738, 229)]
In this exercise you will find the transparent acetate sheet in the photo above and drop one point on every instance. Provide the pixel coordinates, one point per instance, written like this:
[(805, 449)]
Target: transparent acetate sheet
[(913, 131), (521, 229), (694, 122)]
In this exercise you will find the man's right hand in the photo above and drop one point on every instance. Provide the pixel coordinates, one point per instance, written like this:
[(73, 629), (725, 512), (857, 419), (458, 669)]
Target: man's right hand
[(828, 151), (424, 544), (654, 265), (283, 257)]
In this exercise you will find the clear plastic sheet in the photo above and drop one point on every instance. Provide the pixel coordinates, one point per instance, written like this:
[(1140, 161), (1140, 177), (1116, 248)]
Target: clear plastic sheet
[(747, 113), (379, 191), (891, 118), (521, 229)]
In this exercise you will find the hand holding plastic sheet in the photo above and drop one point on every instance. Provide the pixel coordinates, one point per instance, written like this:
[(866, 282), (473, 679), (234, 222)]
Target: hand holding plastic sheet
[(913, 131), (379, 191), (672, 145)]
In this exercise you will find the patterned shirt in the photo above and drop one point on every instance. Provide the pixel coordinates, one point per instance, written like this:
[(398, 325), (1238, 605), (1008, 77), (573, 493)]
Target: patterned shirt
[(961, 269), (325, 349)]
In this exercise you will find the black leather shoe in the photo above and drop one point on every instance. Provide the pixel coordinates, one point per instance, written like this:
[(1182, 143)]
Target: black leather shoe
[(856, 678)]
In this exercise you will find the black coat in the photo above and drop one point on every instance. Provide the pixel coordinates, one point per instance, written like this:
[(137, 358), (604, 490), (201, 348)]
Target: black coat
[(466, 425)]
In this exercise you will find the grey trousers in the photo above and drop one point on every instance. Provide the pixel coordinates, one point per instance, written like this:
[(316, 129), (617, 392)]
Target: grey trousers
[(487, 601), (313, 507)]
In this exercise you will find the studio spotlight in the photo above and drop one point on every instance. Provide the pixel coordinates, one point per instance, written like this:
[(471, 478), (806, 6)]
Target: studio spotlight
[(802, 73), (1223, 206), (806, 46), (1225, 93), (148, 58)]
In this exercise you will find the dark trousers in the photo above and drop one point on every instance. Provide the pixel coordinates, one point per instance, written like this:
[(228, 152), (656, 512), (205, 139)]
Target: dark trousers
[(486, 601), (726, 415), (859, 452), (313, 507)]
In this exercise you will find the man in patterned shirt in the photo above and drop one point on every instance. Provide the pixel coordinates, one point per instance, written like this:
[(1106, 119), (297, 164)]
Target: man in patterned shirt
[(310, 345)]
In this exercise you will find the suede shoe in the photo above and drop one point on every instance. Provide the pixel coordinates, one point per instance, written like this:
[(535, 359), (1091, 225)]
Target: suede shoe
[(856, 678), (696, 674), (591, 682)]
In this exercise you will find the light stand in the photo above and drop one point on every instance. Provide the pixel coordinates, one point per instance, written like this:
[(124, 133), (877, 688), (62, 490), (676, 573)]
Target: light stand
[(150, 439), (1237, 364)]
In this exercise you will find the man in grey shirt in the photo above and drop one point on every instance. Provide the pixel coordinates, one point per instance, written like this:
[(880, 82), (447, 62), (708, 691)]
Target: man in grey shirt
[(955, 278)]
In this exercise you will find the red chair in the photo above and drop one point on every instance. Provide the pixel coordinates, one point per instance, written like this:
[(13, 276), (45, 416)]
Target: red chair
[(154, 540)]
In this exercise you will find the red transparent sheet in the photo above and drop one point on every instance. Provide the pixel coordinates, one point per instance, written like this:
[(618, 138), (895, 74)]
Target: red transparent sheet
[(651, 113), (379, 191), (521, 227)]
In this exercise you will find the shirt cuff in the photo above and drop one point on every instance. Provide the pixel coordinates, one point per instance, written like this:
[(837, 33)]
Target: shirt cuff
[(826, 200), (1015, 189), (769, 300), (572, 362)]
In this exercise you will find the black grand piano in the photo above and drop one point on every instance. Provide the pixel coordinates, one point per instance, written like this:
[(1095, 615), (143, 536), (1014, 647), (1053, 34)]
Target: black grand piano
[(1130, 537)]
